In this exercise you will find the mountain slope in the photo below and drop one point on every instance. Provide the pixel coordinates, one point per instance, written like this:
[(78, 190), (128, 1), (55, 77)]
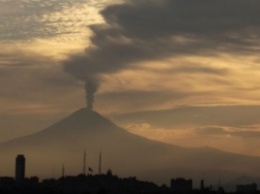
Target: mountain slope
[(127, 154)]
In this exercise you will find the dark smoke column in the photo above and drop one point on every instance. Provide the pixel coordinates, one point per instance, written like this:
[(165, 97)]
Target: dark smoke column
[(90, 88)]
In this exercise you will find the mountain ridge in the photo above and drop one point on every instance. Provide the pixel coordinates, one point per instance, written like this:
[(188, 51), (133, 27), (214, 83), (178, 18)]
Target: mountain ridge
[(128, 154)]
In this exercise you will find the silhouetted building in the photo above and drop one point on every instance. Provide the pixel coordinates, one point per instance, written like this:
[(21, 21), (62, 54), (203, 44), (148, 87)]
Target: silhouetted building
[(250, 188), (181, 185), (202, 185), (109, 172), (20, 168), (6, 181)]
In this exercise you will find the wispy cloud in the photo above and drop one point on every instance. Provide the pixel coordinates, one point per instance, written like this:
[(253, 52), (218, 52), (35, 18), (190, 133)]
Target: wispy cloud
[(29, 19)]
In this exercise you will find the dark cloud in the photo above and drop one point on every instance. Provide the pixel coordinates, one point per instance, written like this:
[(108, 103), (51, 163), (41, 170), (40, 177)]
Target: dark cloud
[(152, 19), (141, 30)]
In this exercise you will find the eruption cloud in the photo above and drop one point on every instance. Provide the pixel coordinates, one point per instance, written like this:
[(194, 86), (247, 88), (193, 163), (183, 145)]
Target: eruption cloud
[(146, 30), (90, 88)]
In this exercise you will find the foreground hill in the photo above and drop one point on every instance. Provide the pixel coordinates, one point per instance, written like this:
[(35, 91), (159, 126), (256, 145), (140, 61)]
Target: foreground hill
[(125, 153)]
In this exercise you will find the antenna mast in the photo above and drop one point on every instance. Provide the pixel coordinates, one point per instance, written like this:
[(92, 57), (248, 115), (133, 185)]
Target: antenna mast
[(84, 163), (63, 171), (100, 163)]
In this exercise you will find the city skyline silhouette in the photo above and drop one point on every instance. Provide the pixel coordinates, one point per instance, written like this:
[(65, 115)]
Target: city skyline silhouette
[(110, 183)]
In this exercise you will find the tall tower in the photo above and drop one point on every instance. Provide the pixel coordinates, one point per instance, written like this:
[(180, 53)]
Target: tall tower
[(100, 164), (20, 168), (84, 163), (63, 171)]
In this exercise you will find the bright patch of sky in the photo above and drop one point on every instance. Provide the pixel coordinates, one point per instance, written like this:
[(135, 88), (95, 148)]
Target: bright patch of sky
[(33, 19)]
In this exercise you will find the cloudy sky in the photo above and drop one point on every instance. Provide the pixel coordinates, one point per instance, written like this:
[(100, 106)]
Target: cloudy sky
[(144, 55)]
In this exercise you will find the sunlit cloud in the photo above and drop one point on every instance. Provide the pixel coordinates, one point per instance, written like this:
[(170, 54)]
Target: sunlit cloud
[(26, 20)]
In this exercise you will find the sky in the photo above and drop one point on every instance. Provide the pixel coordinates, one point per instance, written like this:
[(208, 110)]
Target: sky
[(142, 55)]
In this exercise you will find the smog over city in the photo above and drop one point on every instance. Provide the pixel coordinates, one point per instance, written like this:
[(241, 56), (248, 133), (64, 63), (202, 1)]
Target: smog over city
[(161, 88)]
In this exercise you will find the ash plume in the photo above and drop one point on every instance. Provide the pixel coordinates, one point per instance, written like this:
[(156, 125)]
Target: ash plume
[(90, 88), (146, 30)]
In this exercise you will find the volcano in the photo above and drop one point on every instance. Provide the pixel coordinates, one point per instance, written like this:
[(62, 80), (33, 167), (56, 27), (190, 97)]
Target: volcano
[(126, 154)]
